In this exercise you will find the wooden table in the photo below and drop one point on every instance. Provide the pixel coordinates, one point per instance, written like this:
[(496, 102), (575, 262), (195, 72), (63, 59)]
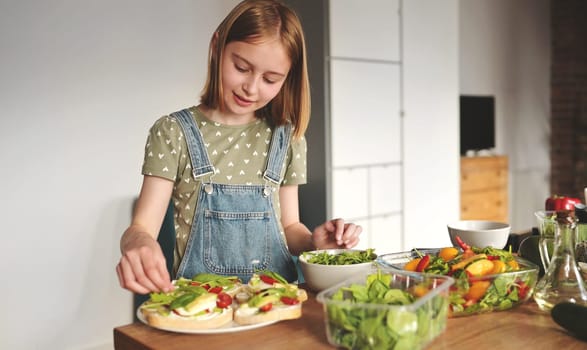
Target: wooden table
[(524, 327)]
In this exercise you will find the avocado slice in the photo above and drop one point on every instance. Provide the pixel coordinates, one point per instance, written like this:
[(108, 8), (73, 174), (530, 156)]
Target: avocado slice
[(261, 300)]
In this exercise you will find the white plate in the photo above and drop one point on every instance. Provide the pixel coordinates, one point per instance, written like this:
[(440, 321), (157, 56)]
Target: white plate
[(228, 328)]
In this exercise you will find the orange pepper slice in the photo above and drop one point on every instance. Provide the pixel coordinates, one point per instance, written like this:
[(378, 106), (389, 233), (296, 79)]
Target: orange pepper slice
[(477, 290), (412, 264), (448, 253), (498, 267)]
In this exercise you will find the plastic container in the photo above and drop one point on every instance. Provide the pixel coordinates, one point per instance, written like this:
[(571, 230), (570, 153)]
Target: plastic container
[(505, 291), (352, 324)]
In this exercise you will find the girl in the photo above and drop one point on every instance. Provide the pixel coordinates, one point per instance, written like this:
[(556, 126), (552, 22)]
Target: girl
[(232, 165)]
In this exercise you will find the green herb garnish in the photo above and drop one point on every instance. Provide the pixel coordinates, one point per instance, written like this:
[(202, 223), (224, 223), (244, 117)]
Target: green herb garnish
[(345, 258)]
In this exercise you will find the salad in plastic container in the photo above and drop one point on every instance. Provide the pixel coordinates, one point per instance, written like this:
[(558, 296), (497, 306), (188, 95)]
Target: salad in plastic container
[(386, 309), (486, 279)]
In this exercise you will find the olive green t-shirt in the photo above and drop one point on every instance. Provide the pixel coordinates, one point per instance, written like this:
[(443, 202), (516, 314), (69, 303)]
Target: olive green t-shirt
[(237, 152)]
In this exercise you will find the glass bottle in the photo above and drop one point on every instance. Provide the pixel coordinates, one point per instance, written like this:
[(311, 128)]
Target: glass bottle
[(562, 280), (581, 243)]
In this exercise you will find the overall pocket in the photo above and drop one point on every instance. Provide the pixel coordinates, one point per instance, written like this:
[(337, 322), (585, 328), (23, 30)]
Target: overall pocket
[(237, 242)]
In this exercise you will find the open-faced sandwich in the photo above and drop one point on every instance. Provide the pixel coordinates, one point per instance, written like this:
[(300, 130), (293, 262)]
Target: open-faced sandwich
[(204, 302), (269, 297), (209, 301)]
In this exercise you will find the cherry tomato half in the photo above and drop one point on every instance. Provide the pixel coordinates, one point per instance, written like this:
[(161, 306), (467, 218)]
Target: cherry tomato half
[(223, 301), (215, 290), (266, 307)]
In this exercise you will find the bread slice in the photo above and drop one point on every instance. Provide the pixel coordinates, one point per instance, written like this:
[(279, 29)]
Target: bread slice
[(302, 295), (245, 315), (173, 321), (251, 311)]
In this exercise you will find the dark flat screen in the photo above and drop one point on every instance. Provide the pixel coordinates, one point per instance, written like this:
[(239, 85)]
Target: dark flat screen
[(477, 115)]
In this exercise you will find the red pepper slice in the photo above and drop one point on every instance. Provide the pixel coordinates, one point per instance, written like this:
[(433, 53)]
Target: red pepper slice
[(523, 290), (462, 244), (289, 301), (492, 257), (266, 307), (423, 263), (267, 279)]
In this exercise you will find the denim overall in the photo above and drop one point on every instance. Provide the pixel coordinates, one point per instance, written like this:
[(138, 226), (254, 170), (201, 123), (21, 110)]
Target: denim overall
[(235, 230)]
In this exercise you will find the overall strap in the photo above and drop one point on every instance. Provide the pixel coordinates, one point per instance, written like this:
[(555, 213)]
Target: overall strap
[(277, 152), (200, 162)]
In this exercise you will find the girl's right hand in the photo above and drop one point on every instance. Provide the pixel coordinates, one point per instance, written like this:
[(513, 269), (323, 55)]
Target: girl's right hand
[(142, 268)]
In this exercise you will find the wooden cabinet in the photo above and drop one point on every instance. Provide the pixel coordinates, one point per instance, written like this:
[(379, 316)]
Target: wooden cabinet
[(484, 188)]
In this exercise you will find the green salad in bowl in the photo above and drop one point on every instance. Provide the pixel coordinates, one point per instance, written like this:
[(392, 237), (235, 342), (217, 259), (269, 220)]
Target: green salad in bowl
[(340, 256), (324, 268), (486, 279)]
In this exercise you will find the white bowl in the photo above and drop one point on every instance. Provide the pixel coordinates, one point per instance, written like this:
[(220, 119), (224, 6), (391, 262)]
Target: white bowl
[(480, 233), (319, 277)]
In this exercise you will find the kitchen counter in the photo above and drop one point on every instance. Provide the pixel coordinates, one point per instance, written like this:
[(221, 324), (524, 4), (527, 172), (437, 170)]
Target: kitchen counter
[(524, 327)]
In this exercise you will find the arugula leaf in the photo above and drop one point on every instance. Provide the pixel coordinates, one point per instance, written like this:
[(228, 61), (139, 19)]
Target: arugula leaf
[(183, 300), (183, 294), (437, 266), (376, 291), (162, 298), (214, 280), (273, 275), (360, 293), (386, 279), (397, 297)]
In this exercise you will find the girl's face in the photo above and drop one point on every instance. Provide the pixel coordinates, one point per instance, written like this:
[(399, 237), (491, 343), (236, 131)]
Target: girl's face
[(252, 75)]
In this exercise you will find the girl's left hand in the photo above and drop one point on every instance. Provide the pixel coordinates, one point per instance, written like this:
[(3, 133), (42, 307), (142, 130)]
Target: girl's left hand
[(336, 234)]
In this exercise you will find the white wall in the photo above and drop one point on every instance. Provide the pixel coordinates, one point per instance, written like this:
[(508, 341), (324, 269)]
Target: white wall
[(505, 52), (365, 119), (395, 132), (80, 84), (431, 108)]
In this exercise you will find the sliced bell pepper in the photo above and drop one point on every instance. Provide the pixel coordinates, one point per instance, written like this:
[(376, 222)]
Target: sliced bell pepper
[(462, 244), (423, 264), (556, 202)]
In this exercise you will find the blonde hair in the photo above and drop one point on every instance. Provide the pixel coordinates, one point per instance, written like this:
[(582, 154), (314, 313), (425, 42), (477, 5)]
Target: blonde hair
[(251, 21)]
